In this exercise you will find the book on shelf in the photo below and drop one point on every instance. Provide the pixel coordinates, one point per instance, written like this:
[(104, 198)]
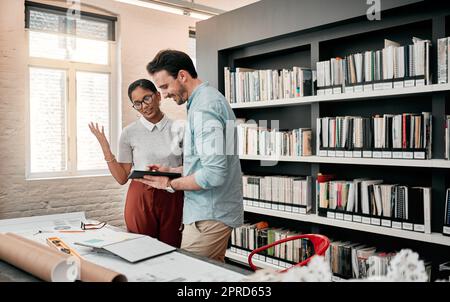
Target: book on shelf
[(373, 202), (446, 227), (396, 136), (254, 140), (394, 66), (244, 85), (282, 193)]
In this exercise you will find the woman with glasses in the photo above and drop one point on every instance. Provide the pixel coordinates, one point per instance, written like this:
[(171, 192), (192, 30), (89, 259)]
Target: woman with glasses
[(153, 139)]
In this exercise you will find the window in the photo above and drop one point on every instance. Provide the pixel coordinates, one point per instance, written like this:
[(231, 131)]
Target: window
[(71, 64)]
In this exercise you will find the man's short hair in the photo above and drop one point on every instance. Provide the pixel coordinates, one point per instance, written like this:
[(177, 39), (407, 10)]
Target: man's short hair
[(172, 61)]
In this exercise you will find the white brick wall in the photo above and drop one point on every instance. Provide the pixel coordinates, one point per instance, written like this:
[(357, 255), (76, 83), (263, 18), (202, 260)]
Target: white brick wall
[(142, 32)]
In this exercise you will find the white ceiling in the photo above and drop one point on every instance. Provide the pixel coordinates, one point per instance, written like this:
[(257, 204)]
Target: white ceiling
[(225, 5)]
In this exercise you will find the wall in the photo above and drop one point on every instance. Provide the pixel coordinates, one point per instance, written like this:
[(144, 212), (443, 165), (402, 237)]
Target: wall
[(267, 19), (142, 32)]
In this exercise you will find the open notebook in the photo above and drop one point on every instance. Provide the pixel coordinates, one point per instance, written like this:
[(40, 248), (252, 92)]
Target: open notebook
[(132, 249)]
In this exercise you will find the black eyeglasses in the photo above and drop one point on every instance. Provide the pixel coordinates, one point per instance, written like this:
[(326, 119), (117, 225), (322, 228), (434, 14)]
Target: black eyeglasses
[(92, 226), (148, 99)]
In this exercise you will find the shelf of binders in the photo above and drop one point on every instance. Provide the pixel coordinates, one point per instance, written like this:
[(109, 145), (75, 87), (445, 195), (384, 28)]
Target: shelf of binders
[(435, 238), (240, 256), (418, 163), (351, 96)]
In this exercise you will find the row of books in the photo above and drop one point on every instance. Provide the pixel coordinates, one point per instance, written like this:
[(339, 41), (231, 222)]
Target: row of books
[(346, 259), (390, 205), (249, 85), (443, 46), (397, 133), (252, 236), (360, 261), (283, 191), (254, 140), (380, 68)]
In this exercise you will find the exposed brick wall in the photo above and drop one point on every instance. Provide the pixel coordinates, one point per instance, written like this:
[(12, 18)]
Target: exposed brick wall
[(142, 33)]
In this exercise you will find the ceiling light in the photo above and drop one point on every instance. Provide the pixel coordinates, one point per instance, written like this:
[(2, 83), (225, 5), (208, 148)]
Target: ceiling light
[(167, 9)]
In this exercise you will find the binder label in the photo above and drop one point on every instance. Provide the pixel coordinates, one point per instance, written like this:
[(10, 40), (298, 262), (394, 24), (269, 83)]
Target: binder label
[(339, 216), (330, 215), (386, 223), (302, 211), (377, 154), (387, 154), (410, 83), (337, 90), (288, 209), (419, 228), (349, 154), (357, 218), (378, 86), (375, 221), (407, 226), (387, 85), (332, 153), (420, 82), (274, 206), (349, 89), (339, 153), (399, 84), (233, 249), (281, 208), (367, 154), (446, 230), (268, 206), (368, 87), (359, 89), (323, 153), (321, 92), (348, 217), (408, 155), (396, 225), (397, 155), (295, 210), (366, 220), (329, 91), (357, 154), (419, 155)]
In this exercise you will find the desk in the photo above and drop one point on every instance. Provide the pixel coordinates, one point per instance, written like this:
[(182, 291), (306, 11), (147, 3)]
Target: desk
[(9, 273), (27, 225)]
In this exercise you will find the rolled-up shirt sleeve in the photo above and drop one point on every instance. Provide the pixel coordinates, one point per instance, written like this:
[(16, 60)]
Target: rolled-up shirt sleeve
[(209, 140)]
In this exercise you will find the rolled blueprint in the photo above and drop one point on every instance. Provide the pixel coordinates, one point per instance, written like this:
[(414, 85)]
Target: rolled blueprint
[(43, 262), (90, 272)]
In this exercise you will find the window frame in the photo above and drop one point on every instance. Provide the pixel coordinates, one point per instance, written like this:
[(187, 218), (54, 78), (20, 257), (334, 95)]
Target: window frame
[(71, 68)]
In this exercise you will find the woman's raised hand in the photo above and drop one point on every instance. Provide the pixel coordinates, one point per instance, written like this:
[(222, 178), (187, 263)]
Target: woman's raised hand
[(100, 135)]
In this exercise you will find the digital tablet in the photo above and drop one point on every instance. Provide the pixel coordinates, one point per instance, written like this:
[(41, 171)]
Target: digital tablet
[(140, 174)]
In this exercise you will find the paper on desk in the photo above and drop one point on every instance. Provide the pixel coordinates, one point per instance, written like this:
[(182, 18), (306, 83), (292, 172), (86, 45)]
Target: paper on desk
[(41, 262), (173, 267)]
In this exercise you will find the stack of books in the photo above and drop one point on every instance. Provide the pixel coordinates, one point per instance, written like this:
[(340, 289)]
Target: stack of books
[(394, 66), (254, 140), (249, 85), (397, 136), (373, 202), (281, 193)]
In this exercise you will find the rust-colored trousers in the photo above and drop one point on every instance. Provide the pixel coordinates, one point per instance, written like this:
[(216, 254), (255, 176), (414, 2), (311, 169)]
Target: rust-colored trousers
[(154, 212)]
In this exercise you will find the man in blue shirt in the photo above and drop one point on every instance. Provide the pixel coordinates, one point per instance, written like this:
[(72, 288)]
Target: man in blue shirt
[(212, 177)]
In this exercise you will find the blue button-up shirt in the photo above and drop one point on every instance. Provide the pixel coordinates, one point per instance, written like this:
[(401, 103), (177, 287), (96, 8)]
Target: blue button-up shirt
[(210, 154)]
